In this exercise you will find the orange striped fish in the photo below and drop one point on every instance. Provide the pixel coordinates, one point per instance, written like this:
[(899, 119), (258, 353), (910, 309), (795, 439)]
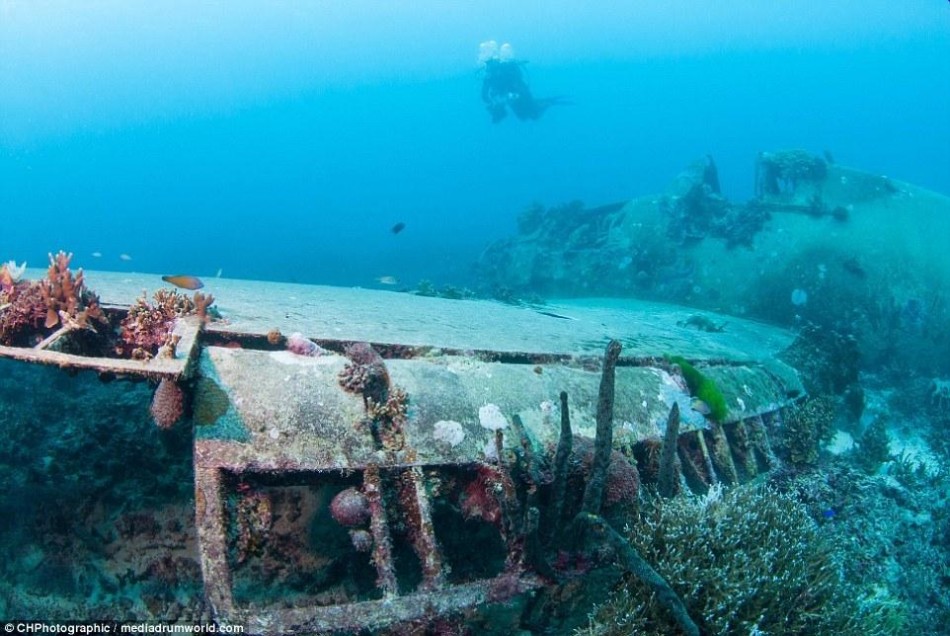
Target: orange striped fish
[(184, 281)]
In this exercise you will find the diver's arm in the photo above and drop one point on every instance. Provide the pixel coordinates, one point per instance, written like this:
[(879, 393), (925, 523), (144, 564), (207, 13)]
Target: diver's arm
[(486, 90)]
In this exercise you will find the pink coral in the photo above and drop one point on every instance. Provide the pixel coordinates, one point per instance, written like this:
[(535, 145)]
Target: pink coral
[(167, 404), (21, 323)]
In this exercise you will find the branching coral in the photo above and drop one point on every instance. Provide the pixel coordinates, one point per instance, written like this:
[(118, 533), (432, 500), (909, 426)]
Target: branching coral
[(873, 446), (394, 408), (366, 372), (806, 426), (66, 296), (747, 561), (33, 309), (147, 326), (202, 303)]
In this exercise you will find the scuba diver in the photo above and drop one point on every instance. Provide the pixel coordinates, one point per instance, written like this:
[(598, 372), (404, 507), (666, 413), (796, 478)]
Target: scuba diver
[(504, 86)]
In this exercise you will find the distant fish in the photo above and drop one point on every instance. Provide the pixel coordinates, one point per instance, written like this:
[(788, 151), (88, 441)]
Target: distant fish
[(97, 254), (853, 267), (125, 257), (553, 315), (184, 281), (399, 227), (701, 407), (387, 280)]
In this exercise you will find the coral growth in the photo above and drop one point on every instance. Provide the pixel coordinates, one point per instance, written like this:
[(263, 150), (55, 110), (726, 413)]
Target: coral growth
[(66, 296), (873, 446), (386, 406), (394, 408), (365, 373), (747, 561), (253, 521), (480, 498), (35, 309), (806, 427), (10, 274), (203, 304), (21, 322), (147, 327)]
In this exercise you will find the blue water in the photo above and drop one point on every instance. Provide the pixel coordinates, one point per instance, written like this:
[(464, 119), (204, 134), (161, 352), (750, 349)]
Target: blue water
[(283, 142)]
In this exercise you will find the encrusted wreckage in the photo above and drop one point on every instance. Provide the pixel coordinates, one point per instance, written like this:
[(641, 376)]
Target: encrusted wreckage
[(818, 241), (437, 460)]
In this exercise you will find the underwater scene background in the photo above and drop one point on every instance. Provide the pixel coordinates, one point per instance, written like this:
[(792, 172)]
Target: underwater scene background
[(637, 318), (284, 142)]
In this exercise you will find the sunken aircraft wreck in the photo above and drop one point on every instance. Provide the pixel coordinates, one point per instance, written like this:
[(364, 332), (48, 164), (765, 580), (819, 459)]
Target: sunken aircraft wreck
[(328, 460)]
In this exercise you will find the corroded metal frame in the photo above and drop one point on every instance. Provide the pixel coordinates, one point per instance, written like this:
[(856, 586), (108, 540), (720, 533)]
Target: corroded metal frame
[(433, 597), (187, 329)]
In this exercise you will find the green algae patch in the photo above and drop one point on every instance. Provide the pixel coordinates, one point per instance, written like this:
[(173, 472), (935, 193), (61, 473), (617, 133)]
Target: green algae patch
[(703, 387)]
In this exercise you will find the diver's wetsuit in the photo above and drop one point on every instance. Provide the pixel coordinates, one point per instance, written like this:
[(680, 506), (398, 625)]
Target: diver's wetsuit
[(504, 86)]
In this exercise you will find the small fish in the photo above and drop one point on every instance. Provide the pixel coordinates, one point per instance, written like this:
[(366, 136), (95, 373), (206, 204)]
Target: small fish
[(702, 323), (399, 227), (829, 513), (97, 254), (853, 266), (125, 257), (387, 280), (184, 281), (700, 407)]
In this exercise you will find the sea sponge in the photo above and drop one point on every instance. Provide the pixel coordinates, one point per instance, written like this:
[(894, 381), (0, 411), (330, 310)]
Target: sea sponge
[(302, 346), (491, 417), (448, 431), (167, 404), (622, 483), (350, 508)]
